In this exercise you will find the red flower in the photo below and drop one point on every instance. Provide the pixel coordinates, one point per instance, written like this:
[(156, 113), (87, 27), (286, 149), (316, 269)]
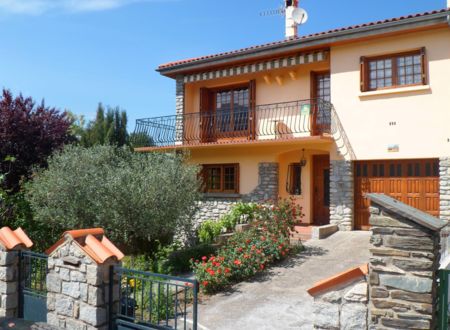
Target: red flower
[(204, 258), (237, 262), (240, 249), (205, 283), (211, 272), (227, 270), (261, 266)]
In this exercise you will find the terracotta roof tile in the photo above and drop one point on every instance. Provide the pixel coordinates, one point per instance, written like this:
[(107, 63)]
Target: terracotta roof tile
[(281, 42), (339, 279), (12, 239), (92, 241)]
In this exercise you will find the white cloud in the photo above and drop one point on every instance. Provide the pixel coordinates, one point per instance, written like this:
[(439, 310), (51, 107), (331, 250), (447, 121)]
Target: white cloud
[(36, 7)]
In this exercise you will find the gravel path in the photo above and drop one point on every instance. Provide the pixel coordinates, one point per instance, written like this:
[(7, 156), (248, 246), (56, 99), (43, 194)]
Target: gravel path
[(278, 299)]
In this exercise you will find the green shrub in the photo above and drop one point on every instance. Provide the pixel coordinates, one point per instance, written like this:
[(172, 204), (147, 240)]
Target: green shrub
[(181, 261), (209, 230), (248, 253), (137, 198)]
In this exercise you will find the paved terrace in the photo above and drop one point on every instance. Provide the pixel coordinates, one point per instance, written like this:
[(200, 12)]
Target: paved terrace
[(278, 299)]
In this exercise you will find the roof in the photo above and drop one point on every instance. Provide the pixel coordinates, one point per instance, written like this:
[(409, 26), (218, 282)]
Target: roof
[(350, 275), (409, 212), (13, 239), (93, 242), (302, 39)]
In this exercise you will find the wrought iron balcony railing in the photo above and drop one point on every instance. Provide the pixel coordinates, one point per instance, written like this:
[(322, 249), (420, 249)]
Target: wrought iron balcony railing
[(269, 121)]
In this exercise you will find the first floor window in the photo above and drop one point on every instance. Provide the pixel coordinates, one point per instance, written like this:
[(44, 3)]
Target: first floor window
[(294, 179), (395, 70), (220, 178)]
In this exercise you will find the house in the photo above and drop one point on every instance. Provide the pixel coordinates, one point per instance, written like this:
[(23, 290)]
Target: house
[(323, 118)]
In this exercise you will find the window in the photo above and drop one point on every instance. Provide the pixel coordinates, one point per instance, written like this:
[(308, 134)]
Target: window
[(391, 71), (232, 108), (294, 179), (221, 178)]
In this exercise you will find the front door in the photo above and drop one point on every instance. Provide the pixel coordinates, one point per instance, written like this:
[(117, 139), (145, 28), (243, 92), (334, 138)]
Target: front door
[(321, 190)]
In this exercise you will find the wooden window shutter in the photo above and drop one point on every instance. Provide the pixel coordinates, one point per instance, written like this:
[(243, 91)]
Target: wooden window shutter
[(424, 72), (252, 103), (363, 74), (205, 100)]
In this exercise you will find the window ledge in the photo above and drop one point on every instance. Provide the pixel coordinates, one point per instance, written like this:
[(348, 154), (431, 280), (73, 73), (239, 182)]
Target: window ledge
[(395, 90), (221, 195)]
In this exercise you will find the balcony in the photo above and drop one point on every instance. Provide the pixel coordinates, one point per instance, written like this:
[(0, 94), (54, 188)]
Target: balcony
[(286, 120)]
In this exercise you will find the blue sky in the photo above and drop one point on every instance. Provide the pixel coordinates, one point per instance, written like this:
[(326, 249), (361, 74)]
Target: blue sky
[(76, 53)]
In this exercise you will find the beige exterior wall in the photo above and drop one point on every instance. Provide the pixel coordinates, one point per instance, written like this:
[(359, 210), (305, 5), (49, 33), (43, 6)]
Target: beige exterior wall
[(422, 115)]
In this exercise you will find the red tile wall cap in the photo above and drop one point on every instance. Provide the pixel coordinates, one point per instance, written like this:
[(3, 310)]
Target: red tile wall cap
[(13, 239), (242, 50), (92, 241), (339, 279)]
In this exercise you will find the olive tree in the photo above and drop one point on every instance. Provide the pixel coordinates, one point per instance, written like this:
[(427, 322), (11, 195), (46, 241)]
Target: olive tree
[(137, 198)]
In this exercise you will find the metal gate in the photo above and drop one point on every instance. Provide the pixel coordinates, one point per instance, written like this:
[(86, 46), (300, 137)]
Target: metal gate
[(442, 301), (32, 286), (151, 301)]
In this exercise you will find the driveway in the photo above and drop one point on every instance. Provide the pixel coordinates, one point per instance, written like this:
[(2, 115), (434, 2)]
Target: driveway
[(277, 299)]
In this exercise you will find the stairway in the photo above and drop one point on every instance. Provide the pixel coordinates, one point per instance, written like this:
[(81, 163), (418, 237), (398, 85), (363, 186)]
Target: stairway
[(300, 234)]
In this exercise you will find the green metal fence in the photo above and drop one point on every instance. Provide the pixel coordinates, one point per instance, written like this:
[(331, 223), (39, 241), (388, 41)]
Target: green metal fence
[(442, 303)]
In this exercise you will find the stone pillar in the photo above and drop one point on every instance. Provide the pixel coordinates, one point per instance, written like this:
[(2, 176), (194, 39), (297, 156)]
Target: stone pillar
[(9, 283), (179, 109), (267, 188), (444, 188), (403, 266), (78, 284), (341, 194)]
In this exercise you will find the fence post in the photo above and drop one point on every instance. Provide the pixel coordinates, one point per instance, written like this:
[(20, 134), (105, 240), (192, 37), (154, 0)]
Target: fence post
[(78, 280), (11, 243)]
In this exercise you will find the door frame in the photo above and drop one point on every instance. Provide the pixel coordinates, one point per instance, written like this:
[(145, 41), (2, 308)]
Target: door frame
[(313, 182)]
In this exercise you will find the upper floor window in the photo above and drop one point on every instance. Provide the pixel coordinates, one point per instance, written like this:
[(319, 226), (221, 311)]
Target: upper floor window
[(394, 70), (232, 107)]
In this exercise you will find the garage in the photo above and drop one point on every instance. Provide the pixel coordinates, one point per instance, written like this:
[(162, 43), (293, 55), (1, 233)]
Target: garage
[(414, 182)]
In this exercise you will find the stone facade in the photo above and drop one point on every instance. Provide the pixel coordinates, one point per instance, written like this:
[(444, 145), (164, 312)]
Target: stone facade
[(9, 283), (267, 189), (341, 194), (444, 190), (179, 109), (344, 308), (402, 272), (77, 288)]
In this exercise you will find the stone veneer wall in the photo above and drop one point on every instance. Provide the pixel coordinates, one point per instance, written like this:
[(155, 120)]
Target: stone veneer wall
[(267, 189), (179, 108), (9, 283), (444, 189), (343, 308), (341, 194), (402, 272), (77, 288)]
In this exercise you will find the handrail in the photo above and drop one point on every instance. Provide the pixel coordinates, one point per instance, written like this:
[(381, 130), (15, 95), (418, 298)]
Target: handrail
[(340, 136)]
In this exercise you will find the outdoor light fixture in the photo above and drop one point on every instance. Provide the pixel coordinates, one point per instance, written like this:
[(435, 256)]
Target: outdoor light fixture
[(303, 159)]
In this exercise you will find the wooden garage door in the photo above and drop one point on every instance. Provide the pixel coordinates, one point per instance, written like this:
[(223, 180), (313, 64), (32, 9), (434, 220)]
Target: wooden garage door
[(413, 181)]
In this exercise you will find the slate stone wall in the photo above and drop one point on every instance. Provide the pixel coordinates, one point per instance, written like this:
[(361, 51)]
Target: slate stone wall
[(77, 296), (179, 109), (267, 189), (343, 308), (444, 188), (9, 283), (402, 272), (341, 194)]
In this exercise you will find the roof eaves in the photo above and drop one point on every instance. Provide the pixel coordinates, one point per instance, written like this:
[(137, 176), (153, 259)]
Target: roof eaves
[(316, 40)]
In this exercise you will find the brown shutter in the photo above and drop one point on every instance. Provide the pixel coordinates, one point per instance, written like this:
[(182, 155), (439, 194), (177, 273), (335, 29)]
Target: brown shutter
[(424, 72), (363, 74), (252, 103), (206, 115)]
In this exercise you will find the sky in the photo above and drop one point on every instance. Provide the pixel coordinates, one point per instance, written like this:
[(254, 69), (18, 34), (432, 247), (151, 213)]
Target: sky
[(77, 53)]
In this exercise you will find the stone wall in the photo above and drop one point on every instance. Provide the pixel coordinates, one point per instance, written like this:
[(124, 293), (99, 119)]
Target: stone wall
[(215, 207), (341, 194), (444, 190), (77, 288), (9, 283), (179, 108), (343, 308), (402, 272)]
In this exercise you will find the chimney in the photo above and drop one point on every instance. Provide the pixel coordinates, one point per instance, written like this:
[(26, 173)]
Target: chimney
[(291, 26)]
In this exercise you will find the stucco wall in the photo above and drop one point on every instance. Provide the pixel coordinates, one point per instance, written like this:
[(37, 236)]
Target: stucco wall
[(421, 116)]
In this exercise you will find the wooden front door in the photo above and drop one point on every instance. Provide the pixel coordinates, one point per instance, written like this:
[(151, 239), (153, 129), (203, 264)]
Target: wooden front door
[(414, 182), (321, 190)]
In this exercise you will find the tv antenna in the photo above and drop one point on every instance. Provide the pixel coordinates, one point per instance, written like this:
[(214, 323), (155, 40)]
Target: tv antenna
[(295, 16)]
